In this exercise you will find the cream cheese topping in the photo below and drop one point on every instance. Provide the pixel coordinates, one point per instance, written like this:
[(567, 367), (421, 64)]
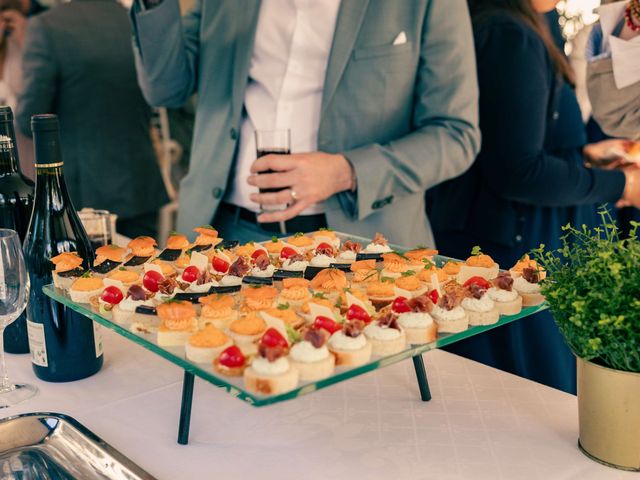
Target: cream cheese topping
[(340, 341), (381, 333), (230, 281), (376, 248), (305, 352), (298, 266), (262, 366), (322, 261), (482, 304), (442, 314), (499, 295), (415, 320), (267, 272), (521, 285)]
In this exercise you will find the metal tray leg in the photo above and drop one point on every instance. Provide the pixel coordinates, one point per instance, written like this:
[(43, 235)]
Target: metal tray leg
[(421, 375), (185, 408)]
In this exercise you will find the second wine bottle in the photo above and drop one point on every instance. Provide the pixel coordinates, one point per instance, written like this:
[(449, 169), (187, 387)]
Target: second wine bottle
[(64, 345)]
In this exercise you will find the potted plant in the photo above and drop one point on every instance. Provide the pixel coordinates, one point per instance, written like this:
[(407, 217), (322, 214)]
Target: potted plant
[(593, 290)]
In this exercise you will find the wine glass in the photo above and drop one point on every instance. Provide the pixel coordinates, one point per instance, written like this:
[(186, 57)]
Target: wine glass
[(14, 293)]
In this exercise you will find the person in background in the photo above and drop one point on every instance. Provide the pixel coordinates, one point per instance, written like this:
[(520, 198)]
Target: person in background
[(529, 178), (380, 97), (79, 65), (13, 23), (613, 72)]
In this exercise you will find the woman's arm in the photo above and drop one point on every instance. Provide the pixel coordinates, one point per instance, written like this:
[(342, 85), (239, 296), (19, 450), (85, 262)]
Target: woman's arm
[(514, 76)]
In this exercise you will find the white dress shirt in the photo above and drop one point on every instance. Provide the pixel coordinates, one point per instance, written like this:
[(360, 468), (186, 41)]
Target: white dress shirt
[(286, 79)]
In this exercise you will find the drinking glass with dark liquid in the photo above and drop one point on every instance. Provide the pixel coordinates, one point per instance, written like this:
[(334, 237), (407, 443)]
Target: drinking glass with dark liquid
[(272, 142), (99, 226)]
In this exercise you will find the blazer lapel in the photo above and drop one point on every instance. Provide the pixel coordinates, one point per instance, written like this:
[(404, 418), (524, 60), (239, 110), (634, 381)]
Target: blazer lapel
[(348, 24), (247, 12)]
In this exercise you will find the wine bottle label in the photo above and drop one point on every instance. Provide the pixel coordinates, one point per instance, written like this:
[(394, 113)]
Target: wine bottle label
[(97, 339), (37, 345)]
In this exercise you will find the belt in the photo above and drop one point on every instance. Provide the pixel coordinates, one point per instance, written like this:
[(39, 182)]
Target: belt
[(301, 223)]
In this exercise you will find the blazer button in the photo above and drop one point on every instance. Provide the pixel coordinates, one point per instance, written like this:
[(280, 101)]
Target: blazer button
[(556, 115), (217, 192), (518, 238), (233, 133)]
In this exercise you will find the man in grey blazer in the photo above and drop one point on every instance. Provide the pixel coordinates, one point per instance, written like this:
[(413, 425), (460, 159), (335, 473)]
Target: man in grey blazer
[(395, 108), (78, 64)]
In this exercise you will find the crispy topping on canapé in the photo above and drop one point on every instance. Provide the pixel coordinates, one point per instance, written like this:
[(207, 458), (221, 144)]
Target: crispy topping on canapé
[(177, 241), (66, 261), (208, 337), (142, 246), (408, 282), (123, 275), (87, 284), (531, 275), (451, 268), (481, 260), (419, 254), (239, 268), (207, 236), (329, 279), (316, 336), (389, 320), (421, 304), (378, 239), (363, 265), (380, 289), (252, 324), (504, 281), (353, 328), (111, 252), (176, 315)]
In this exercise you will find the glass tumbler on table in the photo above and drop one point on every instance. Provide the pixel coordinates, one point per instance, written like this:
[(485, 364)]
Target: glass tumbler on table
[(98, 225), (14, 293)]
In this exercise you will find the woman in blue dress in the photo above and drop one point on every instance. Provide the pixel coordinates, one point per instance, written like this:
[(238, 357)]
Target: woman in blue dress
[(529, 179)]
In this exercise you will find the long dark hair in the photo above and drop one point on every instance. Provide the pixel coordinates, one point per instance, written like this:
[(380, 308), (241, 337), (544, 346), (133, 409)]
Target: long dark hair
[(523, 9)]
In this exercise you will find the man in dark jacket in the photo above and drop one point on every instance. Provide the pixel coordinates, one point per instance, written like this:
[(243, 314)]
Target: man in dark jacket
[(78, 64)]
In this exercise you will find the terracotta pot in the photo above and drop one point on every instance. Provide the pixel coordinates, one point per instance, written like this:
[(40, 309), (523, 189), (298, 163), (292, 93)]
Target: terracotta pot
[(609, 412)]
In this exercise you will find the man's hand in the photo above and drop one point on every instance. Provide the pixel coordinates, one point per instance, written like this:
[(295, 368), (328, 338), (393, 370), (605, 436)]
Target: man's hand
[(313, 177)]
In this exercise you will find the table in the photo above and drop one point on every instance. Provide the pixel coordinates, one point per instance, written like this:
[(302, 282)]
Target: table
[(482, 423)]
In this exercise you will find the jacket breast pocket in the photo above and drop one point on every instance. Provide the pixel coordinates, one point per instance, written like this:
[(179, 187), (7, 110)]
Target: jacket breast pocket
[(399, 51)]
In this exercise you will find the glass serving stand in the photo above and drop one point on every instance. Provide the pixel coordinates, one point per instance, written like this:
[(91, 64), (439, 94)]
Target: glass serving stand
[(235, 385)]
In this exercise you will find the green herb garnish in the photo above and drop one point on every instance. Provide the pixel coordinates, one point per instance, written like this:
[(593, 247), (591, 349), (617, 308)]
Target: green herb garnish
[(293, 335), (319, 295), (283, 306), (274, 239), (408, 273), (86, 274), (386, 279), (428, 264), (298, 235), (208, 227), (475, 251)]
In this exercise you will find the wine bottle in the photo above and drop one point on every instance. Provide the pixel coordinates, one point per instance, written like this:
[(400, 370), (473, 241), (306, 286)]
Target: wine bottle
[(16, 203), (64, 345)]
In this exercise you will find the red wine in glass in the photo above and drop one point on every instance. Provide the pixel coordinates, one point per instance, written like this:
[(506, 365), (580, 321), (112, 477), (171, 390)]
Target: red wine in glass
[(272, 151)]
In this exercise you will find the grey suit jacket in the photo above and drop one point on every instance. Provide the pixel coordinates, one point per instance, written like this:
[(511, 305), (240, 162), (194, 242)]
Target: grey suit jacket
[(616, 110), (404, 115), (78, 64)]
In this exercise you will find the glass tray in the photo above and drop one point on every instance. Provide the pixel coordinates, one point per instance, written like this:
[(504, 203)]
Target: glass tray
[(235, 385)]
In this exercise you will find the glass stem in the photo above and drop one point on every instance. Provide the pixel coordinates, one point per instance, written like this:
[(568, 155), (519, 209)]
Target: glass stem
[(4, 378)]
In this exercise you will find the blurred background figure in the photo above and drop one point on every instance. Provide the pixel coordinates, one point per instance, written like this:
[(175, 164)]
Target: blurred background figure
[(13, 23), (78, 63), (529, 178), (613, 75)]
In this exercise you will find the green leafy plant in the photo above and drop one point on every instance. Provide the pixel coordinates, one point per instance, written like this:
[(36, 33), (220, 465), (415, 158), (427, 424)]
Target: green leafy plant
[(593, 291)]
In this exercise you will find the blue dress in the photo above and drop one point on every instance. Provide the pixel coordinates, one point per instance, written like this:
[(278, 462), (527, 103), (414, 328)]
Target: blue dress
[(528, 181)]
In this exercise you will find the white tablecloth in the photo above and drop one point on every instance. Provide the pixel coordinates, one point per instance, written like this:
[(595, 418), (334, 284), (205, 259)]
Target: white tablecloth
[(481, 424)]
